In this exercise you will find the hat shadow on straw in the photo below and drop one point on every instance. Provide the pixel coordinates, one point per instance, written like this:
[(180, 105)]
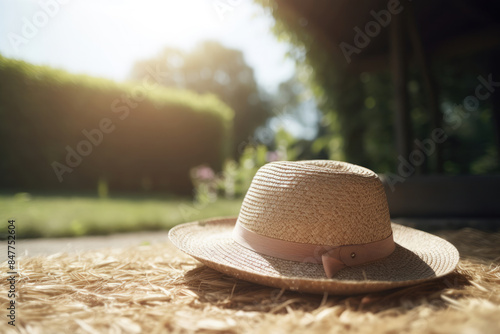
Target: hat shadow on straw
[(224, 291)]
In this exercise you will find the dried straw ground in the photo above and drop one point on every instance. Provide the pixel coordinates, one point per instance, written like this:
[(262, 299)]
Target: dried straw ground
[(154, 289)]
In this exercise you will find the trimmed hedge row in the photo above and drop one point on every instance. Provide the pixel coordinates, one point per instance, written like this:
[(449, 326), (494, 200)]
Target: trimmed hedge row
[(64, 131)]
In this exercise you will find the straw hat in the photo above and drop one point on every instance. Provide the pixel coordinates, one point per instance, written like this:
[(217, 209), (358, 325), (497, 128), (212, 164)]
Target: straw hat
[(317, 226)]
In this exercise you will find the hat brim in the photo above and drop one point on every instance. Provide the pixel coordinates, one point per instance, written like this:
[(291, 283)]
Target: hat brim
[(418, 257)]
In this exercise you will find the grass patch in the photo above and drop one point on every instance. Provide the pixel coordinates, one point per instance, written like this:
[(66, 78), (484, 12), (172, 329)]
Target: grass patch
[(77, 215)]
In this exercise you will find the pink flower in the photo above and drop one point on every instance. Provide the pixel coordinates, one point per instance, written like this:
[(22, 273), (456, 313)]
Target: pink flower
[(204, 173), (272, 156)]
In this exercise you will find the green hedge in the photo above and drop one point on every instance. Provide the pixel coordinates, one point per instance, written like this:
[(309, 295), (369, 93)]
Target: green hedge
[(64, 131)]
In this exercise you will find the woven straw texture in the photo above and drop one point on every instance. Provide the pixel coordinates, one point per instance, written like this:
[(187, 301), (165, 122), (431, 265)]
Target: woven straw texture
[(316, 202), (418, 257)]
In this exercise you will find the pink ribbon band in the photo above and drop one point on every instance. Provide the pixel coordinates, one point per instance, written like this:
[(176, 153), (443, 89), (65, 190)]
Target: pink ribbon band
[(333, 258)]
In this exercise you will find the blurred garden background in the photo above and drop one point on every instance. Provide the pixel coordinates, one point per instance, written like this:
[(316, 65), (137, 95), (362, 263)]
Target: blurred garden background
[(139, 115)]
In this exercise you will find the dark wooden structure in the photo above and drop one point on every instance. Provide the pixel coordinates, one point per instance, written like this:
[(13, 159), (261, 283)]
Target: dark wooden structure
[(419, 32)]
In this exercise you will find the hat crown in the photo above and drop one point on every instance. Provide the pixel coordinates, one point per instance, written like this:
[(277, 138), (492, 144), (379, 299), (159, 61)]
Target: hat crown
[(318, 202)]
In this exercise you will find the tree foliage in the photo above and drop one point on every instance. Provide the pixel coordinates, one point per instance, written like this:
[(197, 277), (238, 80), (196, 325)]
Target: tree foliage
[(213, 68)]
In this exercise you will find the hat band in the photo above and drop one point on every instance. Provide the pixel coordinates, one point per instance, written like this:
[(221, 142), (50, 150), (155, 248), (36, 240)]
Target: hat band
[(333, 258)]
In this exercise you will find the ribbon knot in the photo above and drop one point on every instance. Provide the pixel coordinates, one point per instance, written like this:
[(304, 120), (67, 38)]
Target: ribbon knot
[(333, 258), (331, 262)]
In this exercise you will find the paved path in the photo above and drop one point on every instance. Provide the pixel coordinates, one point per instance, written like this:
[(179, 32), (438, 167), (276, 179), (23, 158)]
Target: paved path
[(33, 247)]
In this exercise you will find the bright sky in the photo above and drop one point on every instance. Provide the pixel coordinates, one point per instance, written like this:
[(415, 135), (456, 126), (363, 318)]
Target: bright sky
[(105, 37)]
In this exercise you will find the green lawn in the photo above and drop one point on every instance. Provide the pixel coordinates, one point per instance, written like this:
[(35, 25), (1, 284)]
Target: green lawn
[(58, 216)]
